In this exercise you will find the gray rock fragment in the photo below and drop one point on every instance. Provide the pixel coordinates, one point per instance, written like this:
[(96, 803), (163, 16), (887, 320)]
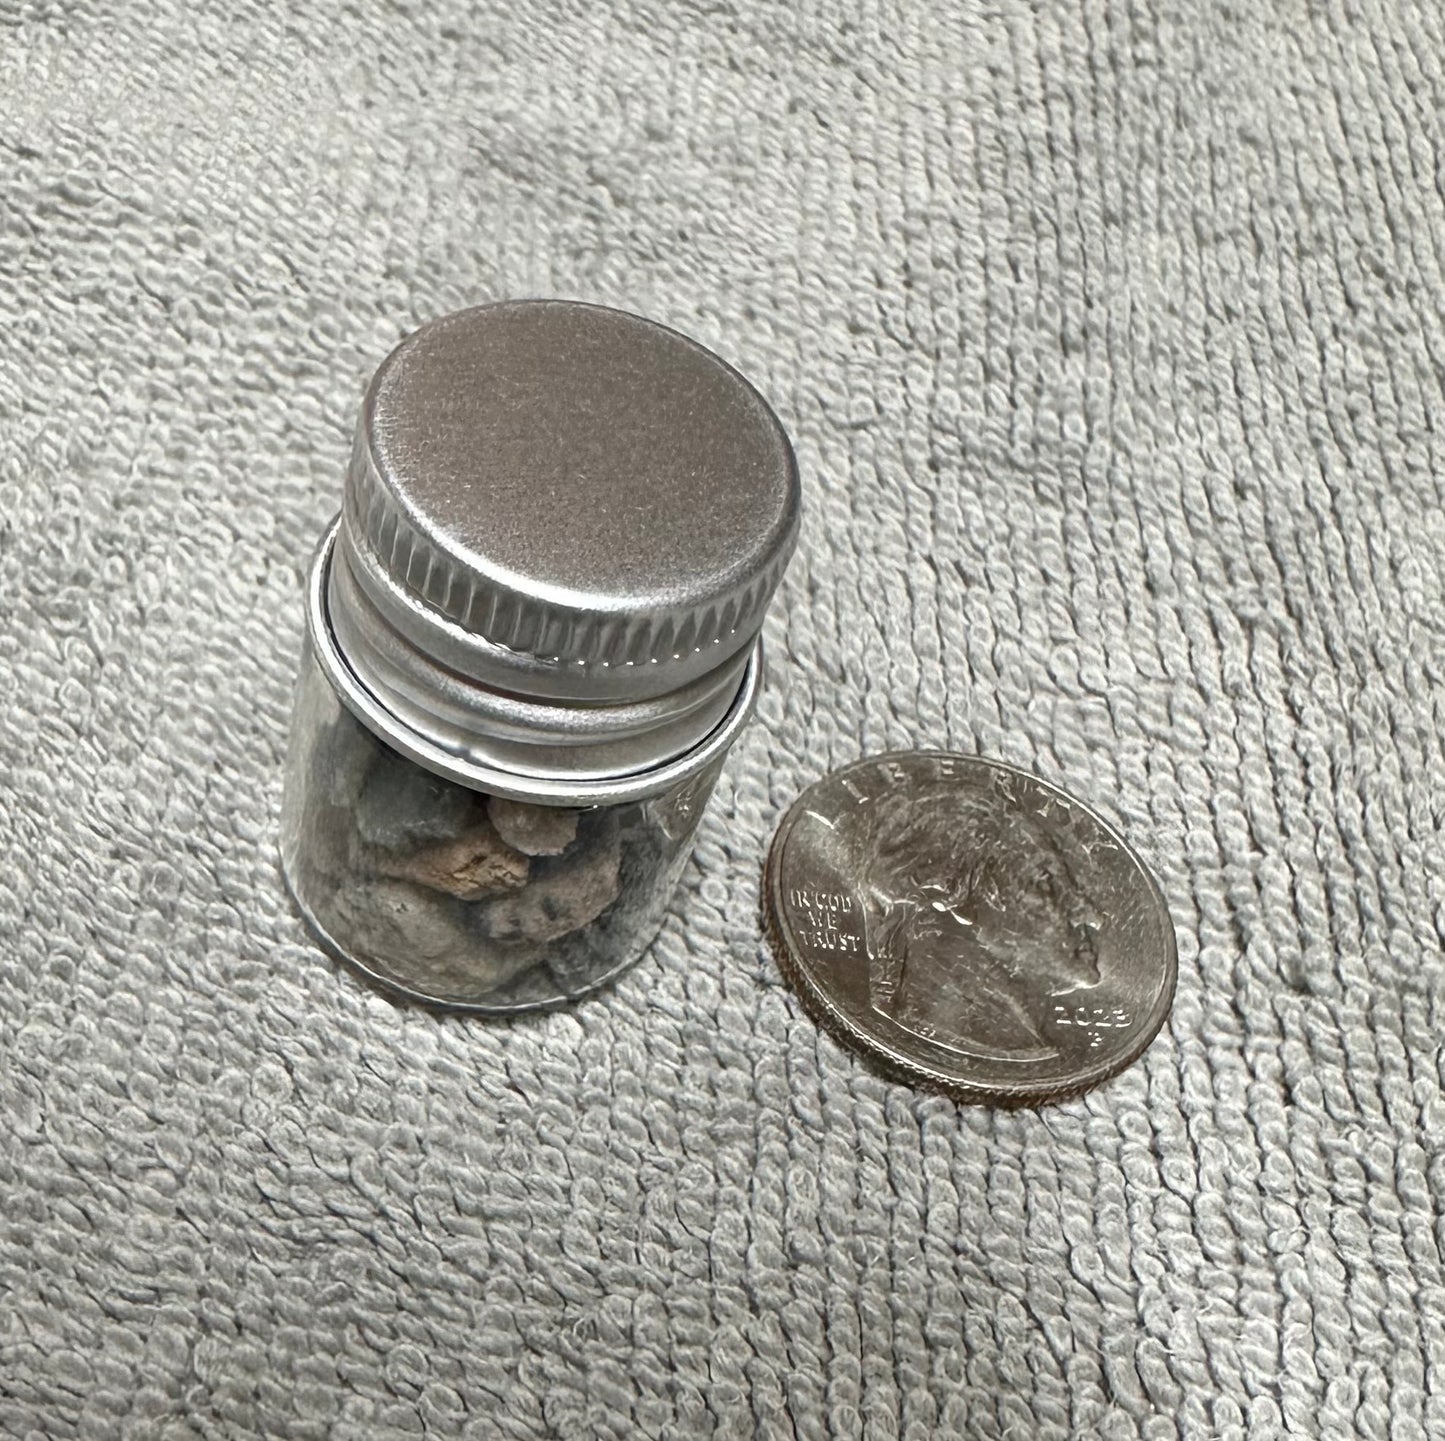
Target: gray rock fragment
[(395, 922), (421, 940), (344, 754), (562, 895), (401, 805)]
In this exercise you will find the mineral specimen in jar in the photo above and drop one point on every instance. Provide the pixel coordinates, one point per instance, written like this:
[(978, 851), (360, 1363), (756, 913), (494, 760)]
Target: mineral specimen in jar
[(532, 638)]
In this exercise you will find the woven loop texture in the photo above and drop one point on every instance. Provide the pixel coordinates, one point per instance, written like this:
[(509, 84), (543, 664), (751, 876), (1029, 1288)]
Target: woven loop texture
[(1111, 337)]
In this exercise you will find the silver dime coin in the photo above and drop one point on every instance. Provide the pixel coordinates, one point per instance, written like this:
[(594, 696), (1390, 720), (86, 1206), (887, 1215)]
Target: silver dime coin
[(969, 927)]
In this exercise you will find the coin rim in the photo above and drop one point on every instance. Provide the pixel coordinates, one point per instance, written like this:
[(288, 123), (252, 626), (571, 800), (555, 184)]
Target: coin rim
[(886, 1058)]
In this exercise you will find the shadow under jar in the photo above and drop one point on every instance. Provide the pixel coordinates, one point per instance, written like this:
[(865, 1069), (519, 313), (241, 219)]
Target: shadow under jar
[(532, 637)]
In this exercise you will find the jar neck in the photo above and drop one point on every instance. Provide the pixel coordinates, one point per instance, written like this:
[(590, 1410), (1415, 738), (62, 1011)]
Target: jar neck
[(527, 743)]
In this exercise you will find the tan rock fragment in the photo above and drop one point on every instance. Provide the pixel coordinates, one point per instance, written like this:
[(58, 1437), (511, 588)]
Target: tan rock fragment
[(534, 830), (476, 864)]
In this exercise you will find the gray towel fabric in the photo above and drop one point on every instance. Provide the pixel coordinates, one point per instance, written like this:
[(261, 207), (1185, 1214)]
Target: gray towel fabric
[(1111, 334)]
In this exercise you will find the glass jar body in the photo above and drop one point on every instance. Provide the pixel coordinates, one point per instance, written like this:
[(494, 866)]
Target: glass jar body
[(457, 897)]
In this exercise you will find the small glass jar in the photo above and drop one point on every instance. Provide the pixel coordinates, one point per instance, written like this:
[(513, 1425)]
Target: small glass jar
[(532, 636)]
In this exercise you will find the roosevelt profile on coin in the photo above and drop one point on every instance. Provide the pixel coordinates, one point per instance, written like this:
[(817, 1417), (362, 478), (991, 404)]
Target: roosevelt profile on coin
[(969, 926), (954, 885)]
